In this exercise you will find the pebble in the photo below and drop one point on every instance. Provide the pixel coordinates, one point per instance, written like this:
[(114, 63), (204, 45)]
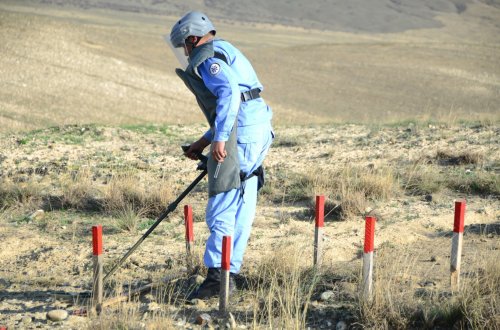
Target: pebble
[(26, 320), (428, 198), (203, 319), (327, 295), (57, 315), (433, 259)]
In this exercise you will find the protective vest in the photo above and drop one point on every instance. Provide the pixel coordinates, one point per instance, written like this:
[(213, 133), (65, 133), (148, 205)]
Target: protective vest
[(228, 175)]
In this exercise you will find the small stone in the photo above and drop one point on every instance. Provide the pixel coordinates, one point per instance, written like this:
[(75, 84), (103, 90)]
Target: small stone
[(26, 320), (57, 315), (327, 295), (433, 259), (341, 325), (428, 198), (203, 319)]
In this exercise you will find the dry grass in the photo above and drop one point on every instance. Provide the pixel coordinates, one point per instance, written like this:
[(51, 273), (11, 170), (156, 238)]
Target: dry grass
[(16, 194), (453, 157), (283, 290), (480, 298), (397, 304), (421, 179), (127, 197), (78, 188), (349, 191), (478, 182)]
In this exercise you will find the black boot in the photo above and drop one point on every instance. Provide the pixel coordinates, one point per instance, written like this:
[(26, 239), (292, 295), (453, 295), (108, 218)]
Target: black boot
[(232, 283), (211, 285)]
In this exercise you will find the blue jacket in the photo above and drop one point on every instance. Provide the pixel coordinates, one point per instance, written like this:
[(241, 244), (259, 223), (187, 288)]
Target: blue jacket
[(227, 81)]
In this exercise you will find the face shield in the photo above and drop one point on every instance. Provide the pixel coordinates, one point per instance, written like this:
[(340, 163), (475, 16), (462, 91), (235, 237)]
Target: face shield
[(179, 52)]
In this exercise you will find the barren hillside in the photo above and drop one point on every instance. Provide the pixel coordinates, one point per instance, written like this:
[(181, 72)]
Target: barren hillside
[(63, 64), (373, 16)]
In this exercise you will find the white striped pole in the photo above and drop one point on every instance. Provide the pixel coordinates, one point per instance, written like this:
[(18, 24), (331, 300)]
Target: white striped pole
[(368, 257), (97, 288), (456, 245), (188, 222), (318, 232), (225, 273)]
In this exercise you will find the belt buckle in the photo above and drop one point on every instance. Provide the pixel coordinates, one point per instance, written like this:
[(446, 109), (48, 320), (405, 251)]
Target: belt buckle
[(245, 97)]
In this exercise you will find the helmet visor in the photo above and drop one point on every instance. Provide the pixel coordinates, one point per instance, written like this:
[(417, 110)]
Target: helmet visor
[(179, 52)]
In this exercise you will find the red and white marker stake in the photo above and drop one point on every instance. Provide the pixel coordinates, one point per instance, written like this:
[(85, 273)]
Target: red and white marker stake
[(368, 257), (97, 288), (456, 244), (318, 232), (225, 273), (188, 221)]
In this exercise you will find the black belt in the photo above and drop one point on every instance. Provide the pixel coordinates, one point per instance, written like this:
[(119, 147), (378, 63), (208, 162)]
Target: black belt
[(250, 95)]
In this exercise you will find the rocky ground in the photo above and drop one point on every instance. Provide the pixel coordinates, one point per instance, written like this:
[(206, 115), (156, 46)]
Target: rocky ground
[(47, 253)]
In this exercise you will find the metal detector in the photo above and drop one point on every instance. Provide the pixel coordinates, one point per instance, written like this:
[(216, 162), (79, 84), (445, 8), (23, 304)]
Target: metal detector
[(201, 166)]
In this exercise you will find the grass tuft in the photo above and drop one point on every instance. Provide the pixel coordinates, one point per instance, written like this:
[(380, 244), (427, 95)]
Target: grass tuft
[(449, 157), (283, 290)]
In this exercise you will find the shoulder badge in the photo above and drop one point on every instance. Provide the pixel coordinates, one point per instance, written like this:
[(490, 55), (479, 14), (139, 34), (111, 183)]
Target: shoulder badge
[(214, 69)]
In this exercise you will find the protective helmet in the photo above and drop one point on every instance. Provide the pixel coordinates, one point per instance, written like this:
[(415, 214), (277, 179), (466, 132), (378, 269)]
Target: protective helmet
[(193, 23)]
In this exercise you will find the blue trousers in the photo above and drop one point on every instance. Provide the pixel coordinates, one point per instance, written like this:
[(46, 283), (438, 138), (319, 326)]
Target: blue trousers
[(232, 213)]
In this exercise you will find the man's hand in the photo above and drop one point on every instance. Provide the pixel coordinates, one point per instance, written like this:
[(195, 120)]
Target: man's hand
[(219, 151), (196, 147)]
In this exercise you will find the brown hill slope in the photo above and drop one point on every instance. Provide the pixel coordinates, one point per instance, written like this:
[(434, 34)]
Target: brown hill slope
[(355, 15), (77, 66)]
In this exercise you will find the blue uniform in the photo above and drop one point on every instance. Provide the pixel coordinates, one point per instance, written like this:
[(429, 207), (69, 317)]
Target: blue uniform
[(231, 213)]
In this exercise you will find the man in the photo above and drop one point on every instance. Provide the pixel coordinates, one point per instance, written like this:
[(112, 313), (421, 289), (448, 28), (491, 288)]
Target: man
[(228, 92)]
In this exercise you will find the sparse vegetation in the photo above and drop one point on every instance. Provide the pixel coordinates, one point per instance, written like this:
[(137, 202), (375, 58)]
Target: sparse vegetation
[(429, 98), (397, 305), (283, 288)]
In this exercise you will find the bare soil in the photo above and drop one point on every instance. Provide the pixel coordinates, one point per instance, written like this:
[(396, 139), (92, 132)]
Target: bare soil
[(51, 254)]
